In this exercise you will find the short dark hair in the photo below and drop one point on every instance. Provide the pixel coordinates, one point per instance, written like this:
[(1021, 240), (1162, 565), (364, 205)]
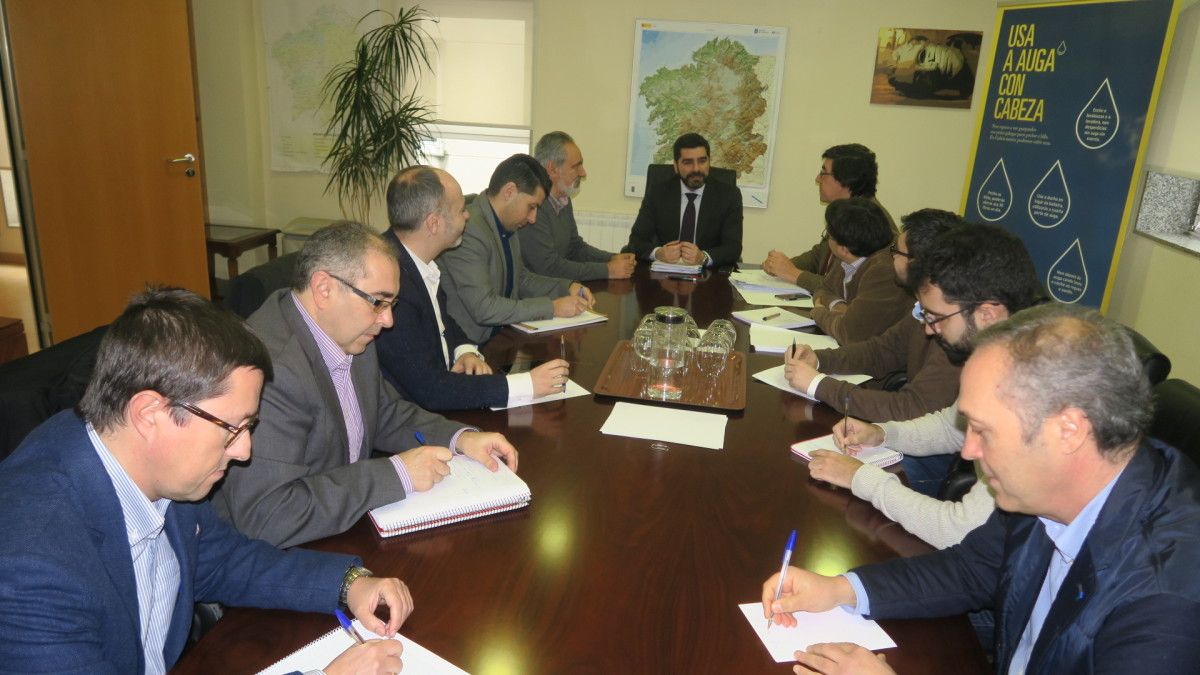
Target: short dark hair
[(976, 264), (171, 341), (691, 140), (923, 226), (339, 248), (853, 165), (858, 224), (413, 194), (1066, 356), (524, 171)]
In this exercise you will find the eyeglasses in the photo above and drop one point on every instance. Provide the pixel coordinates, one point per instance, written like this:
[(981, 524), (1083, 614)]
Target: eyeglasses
[(234, 432), (931, 319), (380, 306), (896, 251)]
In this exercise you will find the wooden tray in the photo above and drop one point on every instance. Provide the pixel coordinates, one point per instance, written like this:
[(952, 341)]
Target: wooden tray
[(623, 378)]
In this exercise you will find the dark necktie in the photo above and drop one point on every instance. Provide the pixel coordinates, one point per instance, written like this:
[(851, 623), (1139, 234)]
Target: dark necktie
[(687, 229)]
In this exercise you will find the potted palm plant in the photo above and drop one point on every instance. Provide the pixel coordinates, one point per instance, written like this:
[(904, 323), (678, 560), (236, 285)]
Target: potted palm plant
[(377, 120)]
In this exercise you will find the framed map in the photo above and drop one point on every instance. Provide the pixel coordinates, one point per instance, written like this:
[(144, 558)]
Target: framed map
[(719, 80)]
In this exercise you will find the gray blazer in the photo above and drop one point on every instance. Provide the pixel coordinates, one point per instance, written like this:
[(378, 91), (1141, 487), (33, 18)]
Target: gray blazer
[(473, 276), (552, 246), (298, 485)]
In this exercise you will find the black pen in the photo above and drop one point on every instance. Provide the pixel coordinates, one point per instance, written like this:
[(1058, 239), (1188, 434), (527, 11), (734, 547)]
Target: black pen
[(678, 277), (846, 419), (562, 354)]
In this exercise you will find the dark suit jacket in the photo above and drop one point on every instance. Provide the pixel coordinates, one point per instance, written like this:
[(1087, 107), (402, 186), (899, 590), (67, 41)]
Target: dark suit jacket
[(68, 598), (1130, 602), (718, 224), (299, 485), (410, 352)]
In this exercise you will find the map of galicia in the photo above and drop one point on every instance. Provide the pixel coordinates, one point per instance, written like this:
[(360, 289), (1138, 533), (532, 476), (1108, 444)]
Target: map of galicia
[(719, 80)]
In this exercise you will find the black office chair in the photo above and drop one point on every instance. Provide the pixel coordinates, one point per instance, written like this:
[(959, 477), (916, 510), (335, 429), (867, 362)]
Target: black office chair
[(1177, 416), (659, 173), (1155, 365), (248, 290)]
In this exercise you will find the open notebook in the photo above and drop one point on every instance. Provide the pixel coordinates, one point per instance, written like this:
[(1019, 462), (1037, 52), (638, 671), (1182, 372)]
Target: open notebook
[(318, 653), (470, 491), (559, 323), (880, 456)]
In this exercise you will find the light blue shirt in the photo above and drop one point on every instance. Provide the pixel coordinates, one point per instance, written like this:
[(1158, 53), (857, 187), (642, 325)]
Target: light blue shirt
[(155, 567)]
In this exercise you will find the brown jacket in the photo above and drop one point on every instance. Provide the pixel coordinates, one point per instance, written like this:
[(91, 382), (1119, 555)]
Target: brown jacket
[(815, 262), (873, 300), (932, 379)]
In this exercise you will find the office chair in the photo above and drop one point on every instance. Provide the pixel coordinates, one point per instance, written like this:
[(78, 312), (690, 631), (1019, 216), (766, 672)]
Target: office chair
[(249, 290), (1177, 416)]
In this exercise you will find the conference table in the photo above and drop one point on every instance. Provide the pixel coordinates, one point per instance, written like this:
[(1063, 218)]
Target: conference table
[(629, 559)]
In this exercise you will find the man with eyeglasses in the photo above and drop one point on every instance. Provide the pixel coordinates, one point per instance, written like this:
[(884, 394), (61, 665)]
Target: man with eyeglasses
[(328, 406), (971, 278), (106, 541), (847, 170), (931, 381)]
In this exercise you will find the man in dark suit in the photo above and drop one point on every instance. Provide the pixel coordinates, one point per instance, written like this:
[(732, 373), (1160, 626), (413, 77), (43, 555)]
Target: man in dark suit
[(328, 406), (105, 538), (425, 353), (1090, 560), (687, 219)]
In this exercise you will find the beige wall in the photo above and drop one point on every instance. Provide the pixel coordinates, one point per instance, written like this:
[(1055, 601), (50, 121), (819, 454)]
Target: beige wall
[(583, 54)]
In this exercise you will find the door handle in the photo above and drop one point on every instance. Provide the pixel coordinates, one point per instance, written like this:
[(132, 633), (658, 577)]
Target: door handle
[(186, 159)]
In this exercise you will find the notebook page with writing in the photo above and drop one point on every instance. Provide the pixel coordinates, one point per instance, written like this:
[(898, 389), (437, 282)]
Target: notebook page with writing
[(318, 653), (470, 491), (880, 456)]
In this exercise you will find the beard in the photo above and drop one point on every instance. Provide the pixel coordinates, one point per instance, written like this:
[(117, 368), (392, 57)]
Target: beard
[(958, 352), (572, 190), (694, 180)]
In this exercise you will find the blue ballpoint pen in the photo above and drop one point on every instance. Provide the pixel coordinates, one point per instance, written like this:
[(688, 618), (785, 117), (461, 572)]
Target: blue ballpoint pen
[(347, 626), (420, 437), (787, 558)]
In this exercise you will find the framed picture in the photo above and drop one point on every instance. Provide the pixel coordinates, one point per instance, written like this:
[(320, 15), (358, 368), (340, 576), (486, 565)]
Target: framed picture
[(926, 66)]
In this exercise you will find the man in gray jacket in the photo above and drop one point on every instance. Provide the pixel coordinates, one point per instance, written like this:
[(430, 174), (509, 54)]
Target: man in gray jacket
[(552, 245), (487, 285), (328, 405)]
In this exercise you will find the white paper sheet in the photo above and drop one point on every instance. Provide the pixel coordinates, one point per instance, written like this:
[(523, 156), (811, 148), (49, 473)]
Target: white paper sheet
[(881, 456), (559, 323), (836, 625), (317, 654), (758, 280), (770, 298), (781, 318), (774, 340), (572, 390), (775, 378), (669, 425)]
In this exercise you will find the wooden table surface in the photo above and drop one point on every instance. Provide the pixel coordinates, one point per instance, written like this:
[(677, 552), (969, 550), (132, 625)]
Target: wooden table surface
[(628, 560)]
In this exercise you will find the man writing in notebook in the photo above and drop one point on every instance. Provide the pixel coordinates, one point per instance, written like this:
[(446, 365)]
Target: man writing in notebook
[(688, 219), (1090, 560), (487, 285), (105, 538), (328, 406), (425, 353)]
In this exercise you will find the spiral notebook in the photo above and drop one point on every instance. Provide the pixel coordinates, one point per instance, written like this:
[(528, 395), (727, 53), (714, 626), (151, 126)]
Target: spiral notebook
[(470, 491), (318, 653)]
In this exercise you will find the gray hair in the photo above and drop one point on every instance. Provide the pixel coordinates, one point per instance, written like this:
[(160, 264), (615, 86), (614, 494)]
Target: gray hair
[(339, 248), (413, 194), (552, 148), (1065, 356)]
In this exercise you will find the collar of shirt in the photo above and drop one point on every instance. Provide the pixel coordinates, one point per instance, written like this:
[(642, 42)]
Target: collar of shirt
[(504, 233), (558, 203), (1068, 539), (699, 192), (335, 358), (851, 268), (430, 272), (143, 519)]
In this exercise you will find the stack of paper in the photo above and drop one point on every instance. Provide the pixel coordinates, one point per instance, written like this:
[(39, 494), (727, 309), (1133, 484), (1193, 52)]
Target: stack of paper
[(773, 340), (775, 378), (559, 323), (758, 280), (675, 268), (773, 316), (880, 456), (836, 625)]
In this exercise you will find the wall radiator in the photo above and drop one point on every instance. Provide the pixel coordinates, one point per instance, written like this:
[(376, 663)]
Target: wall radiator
[(607, 231)]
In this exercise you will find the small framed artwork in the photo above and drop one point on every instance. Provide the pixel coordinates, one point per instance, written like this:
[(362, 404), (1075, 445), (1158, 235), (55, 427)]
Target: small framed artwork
[(926, 66)]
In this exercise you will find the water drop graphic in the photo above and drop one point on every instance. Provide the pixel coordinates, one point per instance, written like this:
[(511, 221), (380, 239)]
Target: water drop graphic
[(1062, 47), (995, 195), (1096, 125), (1050, 201), (1068, 277)]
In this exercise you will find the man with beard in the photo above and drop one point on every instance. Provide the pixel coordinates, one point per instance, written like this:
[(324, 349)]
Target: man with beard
[(552, 245), (425, 353), (931, 380), (328, 406), (847, 170), (971, 278), (687, 219)]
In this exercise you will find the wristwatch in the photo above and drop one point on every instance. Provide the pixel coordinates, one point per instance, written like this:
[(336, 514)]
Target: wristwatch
[(353, 574)]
